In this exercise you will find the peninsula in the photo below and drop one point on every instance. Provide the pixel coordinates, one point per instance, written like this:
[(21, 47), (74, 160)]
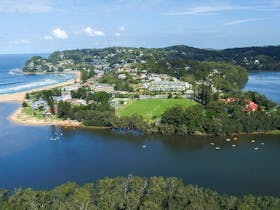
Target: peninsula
[(170, 91)]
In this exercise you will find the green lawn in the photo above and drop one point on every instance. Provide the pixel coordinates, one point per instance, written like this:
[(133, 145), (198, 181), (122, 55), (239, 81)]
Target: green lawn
[(151, 109)]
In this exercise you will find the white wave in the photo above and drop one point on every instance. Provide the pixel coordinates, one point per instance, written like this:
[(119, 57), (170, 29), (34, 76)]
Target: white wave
[(16, 71), (28, 86)]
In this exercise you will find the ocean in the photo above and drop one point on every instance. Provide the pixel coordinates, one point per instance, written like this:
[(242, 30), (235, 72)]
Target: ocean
[(12, 81)]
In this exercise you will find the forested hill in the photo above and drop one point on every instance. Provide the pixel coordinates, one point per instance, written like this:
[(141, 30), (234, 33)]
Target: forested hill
[(251, 58), (174, 58)]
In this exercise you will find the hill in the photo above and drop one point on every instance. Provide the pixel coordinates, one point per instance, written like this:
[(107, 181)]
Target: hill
[(251, 58)]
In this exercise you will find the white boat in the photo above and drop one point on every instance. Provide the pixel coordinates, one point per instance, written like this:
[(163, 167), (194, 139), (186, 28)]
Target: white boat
[(262, 143), (256, 148), (233, 145), (235, 139), (217, 148), (212, 144), (61, 134), (253, 141), (53, 139), (227, 139), (144, 146)]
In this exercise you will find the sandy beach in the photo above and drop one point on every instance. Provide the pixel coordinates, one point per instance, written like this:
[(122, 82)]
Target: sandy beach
[(18, 97), (21, 118)]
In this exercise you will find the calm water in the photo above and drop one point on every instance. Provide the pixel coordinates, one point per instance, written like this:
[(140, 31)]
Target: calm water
[(267, 83), (11, 82), (28, 157)]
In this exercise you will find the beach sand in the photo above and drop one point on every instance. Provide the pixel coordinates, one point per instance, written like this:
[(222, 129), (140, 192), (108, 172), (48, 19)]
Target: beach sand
[(19, 97), (20, 117)]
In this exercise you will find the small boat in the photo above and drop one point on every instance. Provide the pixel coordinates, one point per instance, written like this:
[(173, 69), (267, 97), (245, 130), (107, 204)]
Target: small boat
[(212, 144), (53, 139), (253, 141), (144, 146), (256, 148), (262, 143), (227, 139), (233, 145), (61, 134), (235, 139), (217, 148)]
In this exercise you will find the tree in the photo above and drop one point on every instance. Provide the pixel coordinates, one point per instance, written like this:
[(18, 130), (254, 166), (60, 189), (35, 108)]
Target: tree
[(48, 95), (64, 110)]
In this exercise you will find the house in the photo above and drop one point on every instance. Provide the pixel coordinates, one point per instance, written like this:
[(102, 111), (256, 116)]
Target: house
[(66, 98), (98, 87), (251, 106), (58, 98), (78, 102), (121, 76), (38, 104), (87, 84), (168, 86)]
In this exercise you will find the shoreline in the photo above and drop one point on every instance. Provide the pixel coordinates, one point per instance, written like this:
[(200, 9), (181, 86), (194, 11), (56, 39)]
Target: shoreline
[(19, 96), (21, 118)]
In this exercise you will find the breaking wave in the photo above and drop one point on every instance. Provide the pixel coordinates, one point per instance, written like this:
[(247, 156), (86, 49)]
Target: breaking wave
[(29, 86)]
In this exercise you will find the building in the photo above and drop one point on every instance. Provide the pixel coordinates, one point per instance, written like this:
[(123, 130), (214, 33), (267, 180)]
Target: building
[(39, 104), (251, 107), (98, 87), (121, 76), (169, 86)]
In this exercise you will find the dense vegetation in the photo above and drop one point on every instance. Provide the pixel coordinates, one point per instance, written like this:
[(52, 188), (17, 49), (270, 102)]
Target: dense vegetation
[(220, 118), (132, 193)]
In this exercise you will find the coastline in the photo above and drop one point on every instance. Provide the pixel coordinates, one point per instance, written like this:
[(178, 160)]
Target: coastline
[(19, 117)]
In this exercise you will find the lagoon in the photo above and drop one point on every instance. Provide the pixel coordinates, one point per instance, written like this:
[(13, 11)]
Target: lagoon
[(28, 158), (265, 82)]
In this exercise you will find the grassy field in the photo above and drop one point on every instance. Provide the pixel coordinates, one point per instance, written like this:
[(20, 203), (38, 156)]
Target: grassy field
[(151, 109)]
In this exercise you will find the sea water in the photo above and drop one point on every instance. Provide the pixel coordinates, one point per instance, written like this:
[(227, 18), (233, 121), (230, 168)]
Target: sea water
[(13, 80)]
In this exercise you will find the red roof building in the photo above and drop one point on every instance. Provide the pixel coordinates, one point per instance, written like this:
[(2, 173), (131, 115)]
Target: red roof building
[(251, 107)]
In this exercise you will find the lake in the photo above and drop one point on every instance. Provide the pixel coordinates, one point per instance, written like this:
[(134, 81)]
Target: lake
[(28, 157)]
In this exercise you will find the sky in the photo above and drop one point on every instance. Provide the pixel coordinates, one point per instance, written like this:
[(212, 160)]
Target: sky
[(43, 26)]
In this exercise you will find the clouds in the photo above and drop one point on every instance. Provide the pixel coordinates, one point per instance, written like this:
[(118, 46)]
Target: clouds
[(25, 6), (214, 9), (241, 21), (92, 32), (59, 33), (203, 10)]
